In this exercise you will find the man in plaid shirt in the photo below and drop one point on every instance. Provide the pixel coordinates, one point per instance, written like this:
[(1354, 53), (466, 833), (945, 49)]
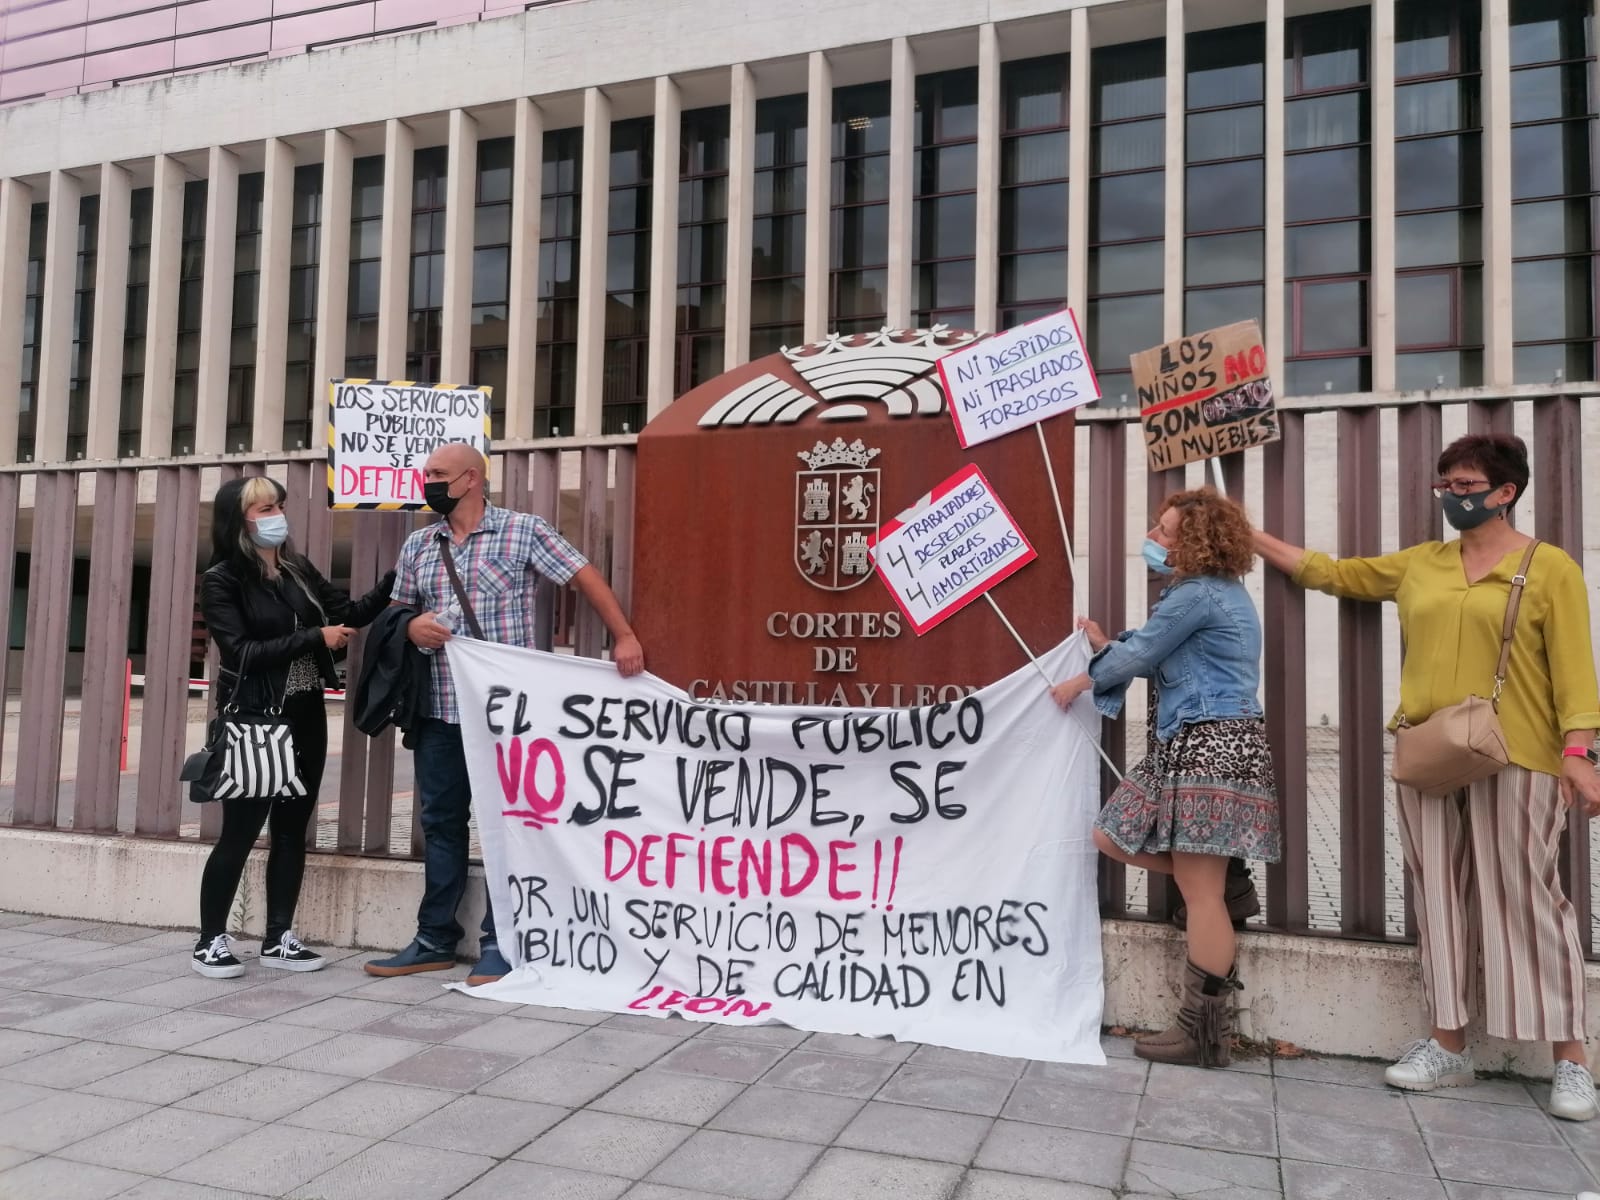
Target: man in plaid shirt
[(496, 552)]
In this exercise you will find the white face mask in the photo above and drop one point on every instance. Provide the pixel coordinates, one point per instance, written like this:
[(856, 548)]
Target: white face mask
[(270, 532)]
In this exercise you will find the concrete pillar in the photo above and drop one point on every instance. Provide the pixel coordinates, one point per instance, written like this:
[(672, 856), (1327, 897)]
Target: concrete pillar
[(55, 320), (986, 270), (272, 297), (394, 265), (461, 197), (1172, 268), (819, 191), (902, 180), (1381, 289), (333, 275), (16, 210), (595, 203), (660, 370), (522, 314), (1499, 365), (741, 207), (110, 312), (216, 304), (1078, 166), (1276, 332), (161, 326)]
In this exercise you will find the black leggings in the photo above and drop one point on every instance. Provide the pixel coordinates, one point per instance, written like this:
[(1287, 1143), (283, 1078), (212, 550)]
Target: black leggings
[(241, 826)]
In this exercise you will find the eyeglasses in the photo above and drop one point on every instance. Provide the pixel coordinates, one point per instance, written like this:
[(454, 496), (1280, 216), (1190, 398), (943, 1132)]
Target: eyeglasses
[(1460, 487)]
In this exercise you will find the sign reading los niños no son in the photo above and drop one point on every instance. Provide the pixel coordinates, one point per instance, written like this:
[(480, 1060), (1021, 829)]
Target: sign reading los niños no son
[(380, 432), (1205, 395), (905, 872)]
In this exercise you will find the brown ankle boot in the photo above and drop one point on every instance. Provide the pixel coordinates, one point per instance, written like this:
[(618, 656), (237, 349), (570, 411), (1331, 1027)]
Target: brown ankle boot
[(1240, 893), (1202, 1036)]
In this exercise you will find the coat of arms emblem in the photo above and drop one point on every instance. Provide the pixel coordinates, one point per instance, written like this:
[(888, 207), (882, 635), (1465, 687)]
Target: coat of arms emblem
[(836, 508)]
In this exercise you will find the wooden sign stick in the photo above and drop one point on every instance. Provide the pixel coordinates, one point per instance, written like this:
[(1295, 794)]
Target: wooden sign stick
[(1061, 519), (1039, 666)]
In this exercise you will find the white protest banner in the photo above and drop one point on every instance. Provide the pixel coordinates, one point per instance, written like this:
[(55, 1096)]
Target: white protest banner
[(1018, 378), (381, 431), (924, 873), (948, 550)]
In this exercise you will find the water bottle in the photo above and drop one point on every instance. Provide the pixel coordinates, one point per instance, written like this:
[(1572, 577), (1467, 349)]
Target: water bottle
[(448, 617)]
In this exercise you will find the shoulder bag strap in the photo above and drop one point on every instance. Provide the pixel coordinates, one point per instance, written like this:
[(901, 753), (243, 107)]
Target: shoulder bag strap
[(1513, 604), (461, 592)]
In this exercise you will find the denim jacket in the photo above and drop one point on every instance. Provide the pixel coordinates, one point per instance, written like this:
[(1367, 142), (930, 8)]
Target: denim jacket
[(1201, 648)]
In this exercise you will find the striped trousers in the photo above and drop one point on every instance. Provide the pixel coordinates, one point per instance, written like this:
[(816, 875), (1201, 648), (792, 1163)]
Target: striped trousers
[(1485, 863)]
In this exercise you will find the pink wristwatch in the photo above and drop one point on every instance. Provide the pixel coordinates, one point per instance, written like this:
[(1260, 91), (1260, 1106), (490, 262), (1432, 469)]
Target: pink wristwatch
[(1582, 752)]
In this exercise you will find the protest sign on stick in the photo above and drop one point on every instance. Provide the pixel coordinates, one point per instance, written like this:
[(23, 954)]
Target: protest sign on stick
[(381, 431), (944, 552), (902, 872), (1205, 395), (1018, 378)]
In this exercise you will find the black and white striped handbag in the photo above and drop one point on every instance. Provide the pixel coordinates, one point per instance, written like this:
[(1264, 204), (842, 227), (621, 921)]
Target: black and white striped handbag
[(258, 756)]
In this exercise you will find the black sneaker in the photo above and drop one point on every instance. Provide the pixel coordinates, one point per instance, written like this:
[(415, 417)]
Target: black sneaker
[(287, 954), (215, 960)]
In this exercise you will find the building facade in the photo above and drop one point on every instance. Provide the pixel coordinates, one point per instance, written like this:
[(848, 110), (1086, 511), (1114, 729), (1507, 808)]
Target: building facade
[(594, 205)]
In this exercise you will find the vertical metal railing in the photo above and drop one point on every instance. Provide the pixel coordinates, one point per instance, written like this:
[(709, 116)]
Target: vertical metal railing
[(150, 516)]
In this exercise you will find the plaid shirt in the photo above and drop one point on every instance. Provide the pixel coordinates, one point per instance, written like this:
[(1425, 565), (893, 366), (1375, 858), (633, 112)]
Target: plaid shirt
[(495, 563)]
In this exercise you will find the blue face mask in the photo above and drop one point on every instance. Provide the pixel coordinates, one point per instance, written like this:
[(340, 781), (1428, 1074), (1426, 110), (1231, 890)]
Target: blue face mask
[(1155, 557), (270, 532)]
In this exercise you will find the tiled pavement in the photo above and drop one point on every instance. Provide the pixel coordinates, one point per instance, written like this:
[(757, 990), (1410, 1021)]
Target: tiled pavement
[(124, 1074)]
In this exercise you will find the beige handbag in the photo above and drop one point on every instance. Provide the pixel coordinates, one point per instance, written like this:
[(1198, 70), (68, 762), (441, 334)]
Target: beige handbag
[(1462, 744)]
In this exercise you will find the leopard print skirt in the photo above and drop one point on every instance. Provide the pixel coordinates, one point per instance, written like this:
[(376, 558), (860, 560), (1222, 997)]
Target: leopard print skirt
[(1209, 790)]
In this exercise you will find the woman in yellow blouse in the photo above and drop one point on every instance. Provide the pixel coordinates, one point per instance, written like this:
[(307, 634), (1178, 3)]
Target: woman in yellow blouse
[(1486, 858)]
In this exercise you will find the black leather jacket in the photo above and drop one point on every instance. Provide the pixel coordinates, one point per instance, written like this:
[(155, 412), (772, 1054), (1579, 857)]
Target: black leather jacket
[(261, 626)]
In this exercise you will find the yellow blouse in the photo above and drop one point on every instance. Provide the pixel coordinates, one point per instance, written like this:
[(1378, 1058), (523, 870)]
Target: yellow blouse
[(1452, 638)]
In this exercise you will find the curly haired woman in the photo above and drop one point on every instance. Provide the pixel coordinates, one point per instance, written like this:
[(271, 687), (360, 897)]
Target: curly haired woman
[(1205, 792)]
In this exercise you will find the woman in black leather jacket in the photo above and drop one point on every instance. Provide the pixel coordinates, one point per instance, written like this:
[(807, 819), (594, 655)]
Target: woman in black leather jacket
[(277, 623)]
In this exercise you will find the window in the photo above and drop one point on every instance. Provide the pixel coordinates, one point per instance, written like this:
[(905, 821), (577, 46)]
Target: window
[(1127, 209), (366, 246), (191, 287), (84, 270), (32, 319), (556, 369), (1327, 202), (130, 413), (778, 242), (1553, 191), (491, 275), (301, 391), (624, 392), (859, 281), (1438, 196), (944, 219), (425, 308), (702, 246), (246, 293), (1225, 181), (1033, 188)]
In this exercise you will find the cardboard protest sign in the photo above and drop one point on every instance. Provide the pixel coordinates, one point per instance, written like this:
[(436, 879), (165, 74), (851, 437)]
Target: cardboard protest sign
[(381, 431), (1018, 378), (901, 872), (942, 554), (1205, 395)]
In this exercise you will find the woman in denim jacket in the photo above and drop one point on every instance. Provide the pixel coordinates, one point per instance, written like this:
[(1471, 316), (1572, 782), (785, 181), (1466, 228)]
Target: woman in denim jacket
[(1204, 793)]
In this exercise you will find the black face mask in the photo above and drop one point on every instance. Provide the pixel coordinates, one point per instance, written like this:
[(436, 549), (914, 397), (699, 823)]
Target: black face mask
[(436, 495)]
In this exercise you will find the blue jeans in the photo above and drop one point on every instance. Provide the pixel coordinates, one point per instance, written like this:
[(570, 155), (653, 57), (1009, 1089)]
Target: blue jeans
[(444, 791)]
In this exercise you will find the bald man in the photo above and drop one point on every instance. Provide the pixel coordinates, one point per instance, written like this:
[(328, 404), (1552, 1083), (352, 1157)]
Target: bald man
[(497, 553)]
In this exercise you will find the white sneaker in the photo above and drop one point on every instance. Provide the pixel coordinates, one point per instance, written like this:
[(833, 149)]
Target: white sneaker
[(1427, 1065), (1572, 1092), (288, 954), (215, 960)]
